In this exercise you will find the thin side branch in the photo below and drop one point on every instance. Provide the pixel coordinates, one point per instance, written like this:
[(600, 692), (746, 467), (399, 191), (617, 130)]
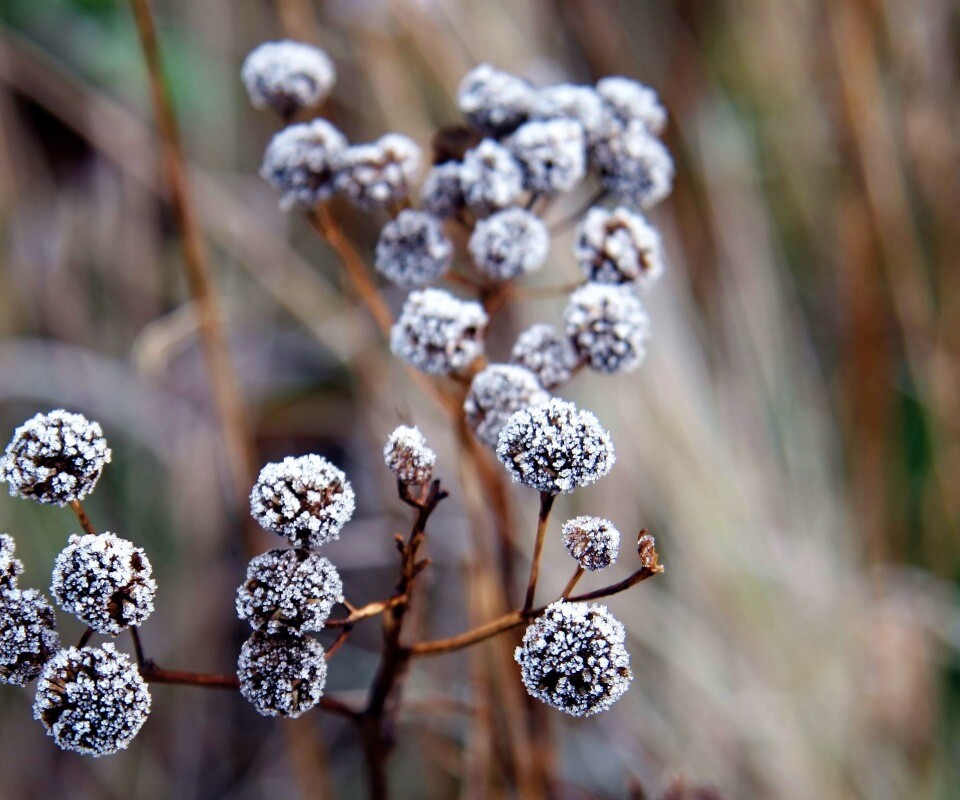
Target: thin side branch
[(82, 517), (546, 504)]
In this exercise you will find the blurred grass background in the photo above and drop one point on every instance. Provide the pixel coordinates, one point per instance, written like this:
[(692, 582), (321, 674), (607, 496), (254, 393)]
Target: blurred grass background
[(792, 439)]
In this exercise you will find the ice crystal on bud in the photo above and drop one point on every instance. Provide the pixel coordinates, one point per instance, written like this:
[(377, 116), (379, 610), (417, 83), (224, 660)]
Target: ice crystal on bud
[(573, 658), (10, 567), (548, 354), (413, 249), (629, 100), (28, 636), (552, 154), (407, 456), (510, 243), (299, 162), (92, 700), (490, 177), (289, 589), (55, 458), (287, 76), (495, 394), (282, 674), (619, 246), (442, 190), (608, 326), (493, 101), (581, 103), (306, 499), (634, 166), (555, 447), (377, 174), (592, 541), (438, 333)]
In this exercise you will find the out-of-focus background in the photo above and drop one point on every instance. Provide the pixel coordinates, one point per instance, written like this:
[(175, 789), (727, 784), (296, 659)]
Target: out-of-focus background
[(792, 439)]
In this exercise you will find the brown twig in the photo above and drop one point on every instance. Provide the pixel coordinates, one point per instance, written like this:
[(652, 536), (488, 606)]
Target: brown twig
[(82, 517), (85, 638), (546, 504), (338, 642), (365, 612), (574, 579)]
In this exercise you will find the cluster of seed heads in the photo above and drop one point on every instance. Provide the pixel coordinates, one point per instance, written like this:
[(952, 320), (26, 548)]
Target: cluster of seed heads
[(407, 456)]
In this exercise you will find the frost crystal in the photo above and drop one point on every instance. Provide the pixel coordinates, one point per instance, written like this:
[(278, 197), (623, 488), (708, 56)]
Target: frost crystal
[(438, 333), (413, 249), (552, 153), (555, 447), (573, 658), (627, 101), (287, 76), (494, 102), (608, 326), (105, 581), (442, 190), (634, 166), (92, 701), (28, 636), (495, 394), (509, 244), (289, 589), (306, 499), (375, 175), (10, 567), (407, 456), (547, 354), (299, 161), (592, 541), (282, 674), (55, 458), (619, 246), (490, 177), (581, 103)]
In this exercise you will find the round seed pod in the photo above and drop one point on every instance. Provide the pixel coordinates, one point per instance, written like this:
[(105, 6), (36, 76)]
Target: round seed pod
[(493, 101), (407, 456), (375, 175), (413, 249), (581, 103), (509, 244), (608, 327), (548, 354), (287, 76), (28, 636), (495, 393), (552, 154), (442, 190), (490, 177), (592, 541), (634, 166), (282, 674), (629, 101), (300, 162), (619, 246)]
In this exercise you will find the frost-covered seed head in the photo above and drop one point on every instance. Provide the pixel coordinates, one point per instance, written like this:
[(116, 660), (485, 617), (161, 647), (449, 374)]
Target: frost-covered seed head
[(608, 326), (413, 249), (377, 174), (92, 701), (407, 456), (619, 246), (305, 499), (490, 177), (300, 162), (495, 394), (438, 333), (282, 674), (548, 354), (442, 190), (105, 581), (567, 101), (289, 589), (287, 76), (55, 458), (510, 243), (634, 166), (552, 154), (555, 447), (494, 102), (10, 567), (573, 658), (28, 636), (627, 101), (592, 541)]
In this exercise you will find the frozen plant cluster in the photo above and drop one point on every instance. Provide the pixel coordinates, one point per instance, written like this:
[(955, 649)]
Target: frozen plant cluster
[(495, 394), (287, 76), (407, 456), (282, 674), (592, 541)]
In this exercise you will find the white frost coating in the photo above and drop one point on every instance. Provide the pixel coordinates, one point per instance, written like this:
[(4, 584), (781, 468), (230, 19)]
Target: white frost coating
[(282, 674), (28, 636), (555, 447), (592, 541), (608, 326), (438, 333), (407, 456), (629, 100), (55, 458), (305, 498), (573, 658), (289, 589), (287, 75), (634, 166), (494, 102), (548, 354), (619, 246), (510, 243), (104, 581), (413, 250), (491, 178), (569, 101), (377, 174), (495, 394), (92, 701), (300, 162), (10, 567), (442, 190), (552, 154)]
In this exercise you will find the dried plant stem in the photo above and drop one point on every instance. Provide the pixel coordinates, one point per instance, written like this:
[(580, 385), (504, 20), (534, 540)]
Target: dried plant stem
[(574, 579), (82, 517), (85, 638), (365, 612), (546, 504), (338, 642)]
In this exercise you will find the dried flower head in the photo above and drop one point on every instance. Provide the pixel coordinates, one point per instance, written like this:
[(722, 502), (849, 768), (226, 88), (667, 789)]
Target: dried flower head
[(555, 447), (55, 458), (552, 154), (494, 102), (407, 456), (592, 541), (442, 190), (573, 658), (28, 636), (105, 581), (92, 700), (289, 589), (580, 103), (634, 166), (287, 76), (438, 333), (510, 243), (628, 100), (619, 246), (10, 567), (305, 498), (282, 674), (608, 326), (413, 249), (377, 174), (300, 162), (548, 354), (490, 177), (495, 394)]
